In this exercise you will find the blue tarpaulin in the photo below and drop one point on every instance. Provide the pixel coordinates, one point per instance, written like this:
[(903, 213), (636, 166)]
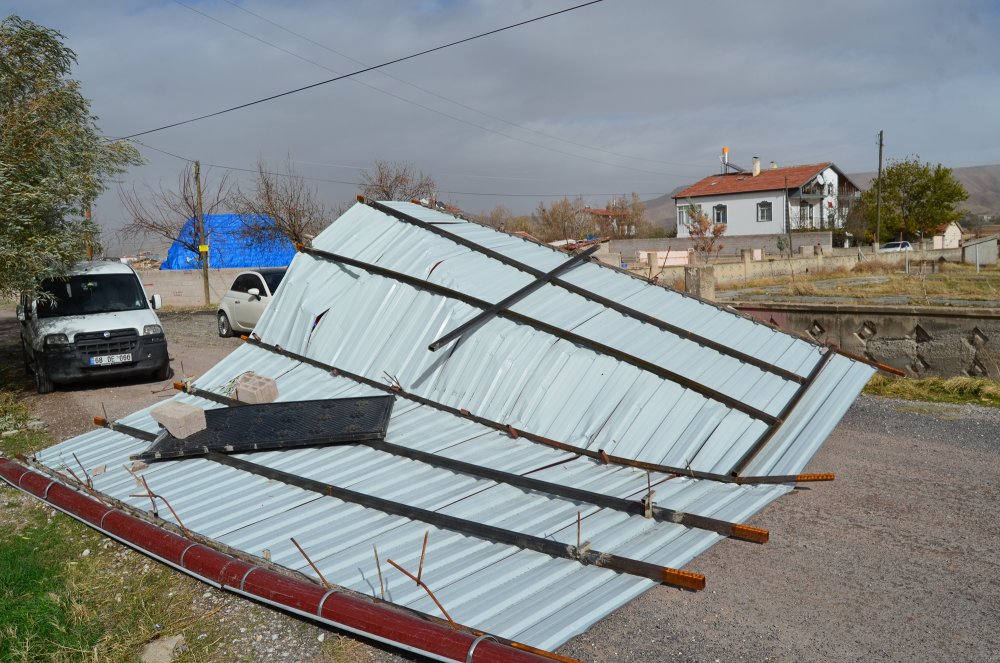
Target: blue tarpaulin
[(229, 246)]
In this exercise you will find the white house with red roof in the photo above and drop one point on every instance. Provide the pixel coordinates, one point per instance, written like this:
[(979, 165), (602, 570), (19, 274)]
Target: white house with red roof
[(772, 201)]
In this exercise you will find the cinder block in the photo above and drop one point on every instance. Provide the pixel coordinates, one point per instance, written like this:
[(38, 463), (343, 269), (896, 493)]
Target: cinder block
[(253, 388), (180, 419)]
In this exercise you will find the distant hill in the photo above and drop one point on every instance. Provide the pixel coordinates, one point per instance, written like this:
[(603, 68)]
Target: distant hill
[(982, 183), (662, 212)]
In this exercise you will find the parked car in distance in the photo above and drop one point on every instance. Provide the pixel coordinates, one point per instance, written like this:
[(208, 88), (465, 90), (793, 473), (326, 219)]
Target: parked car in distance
[(892, 247), (96, 323), (246, 299)]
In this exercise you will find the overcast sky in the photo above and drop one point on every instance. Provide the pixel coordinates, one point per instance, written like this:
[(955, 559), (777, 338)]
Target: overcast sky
[(620, 96)]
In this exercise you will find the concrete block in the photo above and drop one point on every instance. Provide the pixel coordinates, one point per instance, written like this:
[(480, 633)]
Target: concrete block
[(253, 388), (180, 419), (700, 281)]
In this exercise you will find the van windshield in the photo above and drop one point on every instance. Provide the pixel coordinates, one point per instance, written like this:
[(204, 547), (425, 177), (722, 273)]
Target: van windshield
[(95, 293)]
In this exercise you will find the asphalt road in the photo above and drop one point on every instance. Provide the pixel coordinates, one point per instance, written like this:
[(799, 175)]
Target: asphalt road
[(896, 560)]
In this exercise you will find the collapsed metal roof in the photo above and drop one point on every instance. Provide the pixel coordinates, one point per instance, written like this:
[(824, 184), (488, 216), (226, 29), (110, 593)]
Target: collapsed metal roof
[(549, 418)]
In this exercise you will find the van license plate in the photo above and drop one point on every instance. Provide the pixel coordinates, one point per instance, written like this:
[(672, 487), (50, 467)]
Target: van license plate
[(105, 360)]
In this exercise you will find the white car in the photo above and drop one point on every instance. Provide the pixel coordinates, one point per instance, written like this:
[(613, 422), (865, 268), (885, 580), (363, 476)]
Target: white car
[(96, 323), (248, 296), (893, 247)]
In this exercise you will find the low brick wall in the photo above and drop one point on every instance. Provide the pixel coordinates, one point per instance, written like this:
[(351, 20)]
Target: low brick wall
[(921, 340)]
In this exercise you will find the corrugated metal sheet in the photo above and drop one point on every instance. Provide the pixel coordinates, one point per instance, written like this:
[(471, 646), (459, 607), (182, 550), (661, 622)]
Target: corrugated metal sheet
[(512, 373)]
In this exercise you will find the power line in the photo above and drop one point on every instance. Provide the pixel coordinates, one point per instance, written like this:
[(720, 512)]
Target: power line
[(361, 71), (435, 94), (358, 184), (428, 108)]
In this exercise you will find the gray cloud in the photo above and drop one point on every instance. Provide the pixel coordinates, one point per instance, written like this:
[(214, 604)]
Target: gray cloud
[(666, 83)]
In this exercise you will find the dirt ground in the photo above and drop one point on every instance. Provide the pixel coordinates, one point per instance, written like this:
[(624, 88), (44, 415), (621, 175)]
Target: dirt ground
[(896, 560)]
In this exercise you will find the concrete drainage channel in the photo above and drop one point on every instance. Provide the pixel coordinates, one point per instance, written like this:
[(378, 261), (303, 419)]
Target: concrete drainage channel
[(923, 341)]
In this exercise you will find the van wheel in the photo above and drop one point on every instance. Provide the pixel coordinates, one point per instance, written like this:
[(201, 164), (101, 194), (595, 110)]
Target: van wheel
[(42, 382), (225, 329)]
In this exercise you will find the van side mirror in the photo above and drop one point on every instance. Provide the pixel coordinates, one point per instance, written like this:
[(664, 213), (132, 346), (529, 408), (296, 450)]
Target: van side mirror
[(156, 302), (254, 292), (21, 315)]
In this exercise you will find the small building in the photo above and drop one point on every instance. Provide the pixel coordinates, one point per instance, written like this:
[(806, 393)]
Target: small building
[(982, 251), (772, 201), (948, 236)]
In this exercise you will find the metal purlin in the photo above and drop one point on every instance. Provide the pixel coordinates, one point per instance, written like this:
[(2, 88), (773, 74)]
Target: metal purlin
[(534, 437), (591, 296), (633, 313), (601, 348), (582, 554), (632, 507)]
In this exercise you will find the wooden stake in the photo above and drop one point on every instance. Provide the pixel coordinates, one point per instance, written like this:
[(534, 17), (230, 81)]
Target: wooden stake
[(321, 578)]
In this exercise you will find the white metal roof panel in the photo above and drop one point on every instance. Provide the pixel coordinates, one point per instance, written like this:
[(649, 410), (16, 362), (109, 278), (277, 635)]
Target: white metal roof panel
[(510, 373)]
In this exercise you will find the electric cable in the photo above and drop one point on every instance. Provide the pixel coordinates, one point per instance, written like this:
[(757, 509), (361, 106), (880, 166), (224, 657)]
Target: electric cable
[(360, 71), (441, 96), (428, 108)]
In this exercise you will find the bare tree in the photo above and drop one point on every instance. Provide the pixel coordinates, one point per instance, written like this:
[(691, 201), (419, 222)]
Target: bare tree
[(626, 218), (499, 217), (164, 213), (281, 205), (707, 235), (563, 219), (396, 181)]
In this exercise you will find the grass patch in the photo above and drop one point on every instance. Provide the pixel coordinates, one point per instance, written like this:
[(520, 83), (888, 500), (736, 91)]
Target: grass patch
[(13, 413), (868, 280), (69, 594), (977, 391)]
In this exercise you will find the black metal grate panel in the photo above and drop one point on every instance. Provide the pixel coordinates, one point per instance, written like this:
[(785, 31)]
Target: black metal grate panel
[(118, 341), (274, 426)]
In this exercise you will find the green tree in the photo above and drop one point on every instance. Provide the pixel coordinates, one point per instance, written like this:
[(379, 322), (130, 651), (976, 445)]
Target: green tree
[(53, 161), (916, 198)]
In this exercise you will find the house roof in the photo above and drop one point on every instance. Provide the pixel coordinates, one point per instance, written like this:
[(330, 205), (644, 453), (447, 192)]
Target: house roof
[(595, 380), (768, 180)]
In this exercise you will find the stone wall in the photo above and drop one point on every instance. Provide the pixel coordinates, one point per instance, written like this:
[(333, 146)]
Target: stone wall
[(739, 271), (923, 341), (631, 248)]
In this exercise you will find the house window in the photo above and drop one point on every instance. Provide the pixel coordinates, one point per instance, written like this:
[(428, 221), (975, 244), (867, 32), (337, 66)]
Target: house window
[(682, 215), (805, 213), (764, 211), (719, 214)]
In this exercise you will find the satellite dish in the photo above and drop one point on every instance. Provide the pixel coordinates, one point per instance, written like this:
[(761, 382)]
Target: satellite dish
[(820, 179)]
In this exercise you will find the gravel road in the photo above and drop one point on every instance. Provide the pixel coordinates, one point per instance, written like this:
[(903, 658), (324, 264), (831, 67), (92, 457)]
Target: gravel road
[(896, 560)]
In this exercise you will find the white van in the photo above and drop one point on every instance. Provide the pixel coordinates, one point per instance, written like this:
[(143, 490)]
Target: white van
[(96, 323)]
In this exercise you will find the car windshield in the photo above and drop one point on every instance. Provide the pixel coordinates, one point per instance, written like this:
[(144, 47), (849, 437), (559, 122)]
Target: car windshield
[(273, 279), (94, 293)]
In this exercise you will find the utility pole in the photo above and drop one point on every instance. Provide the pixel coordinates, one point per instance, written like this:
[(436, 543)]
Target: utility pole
[(878, 196), (788, 220), (200, 226)]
